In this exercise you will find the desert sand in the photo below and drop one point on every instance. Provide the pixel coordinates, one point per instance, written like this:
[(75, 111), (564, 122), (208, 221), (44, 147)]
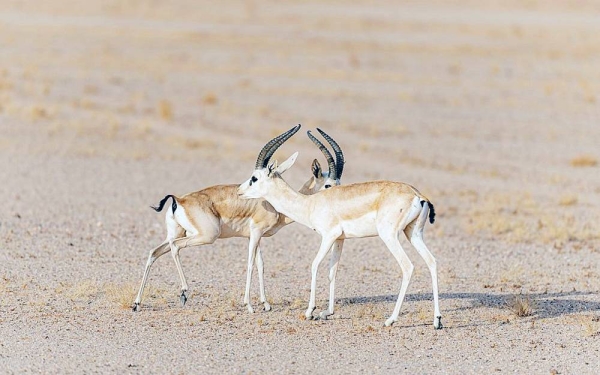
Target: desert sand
[(491, 109)]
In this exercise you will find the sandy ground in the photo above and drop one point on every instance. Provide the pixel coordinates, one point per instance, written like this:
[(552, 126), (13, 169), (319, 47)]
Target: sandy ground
[(491, 109)]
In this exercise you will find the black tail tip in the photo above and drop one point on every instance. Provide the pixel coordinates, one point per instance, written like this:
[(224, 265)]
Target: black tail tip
[(431, 213), (431, 210), (162, 204)]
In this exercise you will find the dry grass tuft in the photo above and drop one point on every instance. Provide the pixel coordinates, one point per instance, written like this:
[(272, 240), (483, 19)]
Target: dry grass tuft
[(584, 161), (165, 110), (423, 314), (85, 290), (568, 200), (122, 295), (297, 304), (38, 112), (521, 306), (370, 311), (193, 143), (210, 99), (519, 218), (590, 325)]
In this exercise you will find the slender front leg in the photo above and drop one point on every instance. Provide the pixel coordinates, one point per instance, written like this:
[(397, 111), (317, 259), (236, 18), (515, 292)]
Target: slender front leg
[(261, 279), (326, 243), (333, 265), (252, 248), (154, 254)]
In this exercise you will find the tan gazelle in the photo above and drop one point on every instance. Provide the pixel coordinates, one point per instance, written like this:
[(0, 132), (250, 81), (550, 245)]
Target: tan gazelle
[(376, 208), (204, 216)]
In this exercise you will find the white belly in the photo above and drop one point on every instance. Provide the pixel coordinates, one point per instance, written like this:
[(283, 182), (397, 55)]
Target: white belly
[(363, 226)]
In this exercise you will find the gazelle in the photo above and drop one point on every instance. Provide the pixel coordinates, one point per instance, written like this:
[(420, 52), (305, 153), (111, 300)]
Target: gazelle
[(202, 217), (377, 208)]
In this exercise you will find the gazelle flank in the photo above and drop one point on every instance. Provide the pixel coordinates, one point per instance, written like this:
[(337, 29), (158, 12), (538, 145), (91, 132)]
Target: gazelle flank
[(202, 217), (376, 208)]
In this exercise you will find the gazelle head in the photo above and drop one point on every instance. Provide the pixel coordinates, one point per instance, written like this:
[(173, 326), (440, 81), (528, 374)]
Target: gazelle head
[(265, 170), (322, 180)]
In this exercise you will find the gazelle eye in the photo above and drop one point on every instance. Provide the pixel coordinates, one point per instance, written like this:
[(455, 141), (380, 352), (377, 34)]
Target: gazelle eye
[(254, 179), (327, 186)]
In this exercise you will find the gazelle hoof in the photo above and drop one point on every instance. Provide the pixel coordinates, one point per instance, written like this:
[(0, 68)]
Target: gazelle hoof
[(437, 322), (250, 309), (183, 298), (389, 322), (136, 307), (308, 314), (324, 314), (267, 306)]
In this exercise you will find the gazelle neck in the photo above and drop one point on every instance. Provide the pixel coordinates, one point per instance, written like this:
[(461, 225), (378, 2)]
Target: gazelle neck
[(288, 201), (308, 186)]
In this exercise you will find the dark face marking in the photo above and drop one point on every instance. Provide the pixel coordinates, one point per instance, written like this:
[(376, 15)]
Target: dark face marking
[(253, 179)]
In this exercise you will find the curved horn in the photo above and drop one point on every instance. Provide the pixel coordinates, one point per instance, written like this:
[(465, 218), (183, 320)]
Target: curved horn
[(269, 149), (325, 151), (339, 155)]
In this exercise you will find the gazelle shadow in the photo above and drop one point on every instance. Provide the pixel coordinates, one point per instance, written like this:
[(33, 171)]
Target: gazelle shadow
[(546, 305)]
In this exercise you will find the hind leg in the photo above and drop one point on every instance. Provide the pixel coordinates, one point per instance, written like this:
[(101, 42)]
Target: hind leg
[(180, 243), (415, 234), (391, 241), (154, 254)]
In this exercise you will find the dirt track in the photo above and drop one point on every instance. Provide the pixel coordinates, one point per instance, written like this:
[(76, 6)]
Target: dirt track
[(491, 110)]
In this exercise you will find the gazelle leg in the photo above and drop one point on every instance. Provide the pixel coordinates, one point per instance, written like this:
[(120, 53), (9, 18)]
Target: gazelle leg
[(333, 265), (393, 244), (416, 239), (178, 244), (252, 246), (154, 254), (323, 250), (261, 279), (417, 242)]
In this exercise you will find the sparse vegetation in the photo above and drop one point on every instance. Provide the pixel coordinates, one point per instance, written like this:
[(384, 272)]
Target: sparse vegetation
[(521, 305), (476, 113), (165, 110), (590, 325), (568, 200), (83, 291), (519, 218), (584, 161), (120, 294), (210, 99)]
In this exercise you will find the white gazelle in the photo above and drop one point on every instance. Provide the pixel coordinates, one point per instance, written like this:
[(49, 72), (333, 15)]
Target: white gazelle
[(376, 208), (204, 216)]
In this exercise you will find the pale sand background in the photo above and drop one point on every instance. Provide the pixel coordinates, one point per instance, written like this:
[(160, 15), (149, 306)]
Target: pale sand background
[(492, 109)]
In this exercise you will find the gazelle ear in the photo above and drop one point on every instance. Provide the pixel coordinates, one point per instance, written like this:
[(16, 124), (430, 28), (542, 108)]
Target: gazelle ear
[(271, 167), (287, 164), (316, 169)]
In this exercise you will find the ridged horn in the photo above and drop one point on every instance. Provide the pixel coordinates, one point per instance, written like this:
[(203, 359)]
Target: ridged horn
[(339, 155), (269, 149), (325, 151)]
